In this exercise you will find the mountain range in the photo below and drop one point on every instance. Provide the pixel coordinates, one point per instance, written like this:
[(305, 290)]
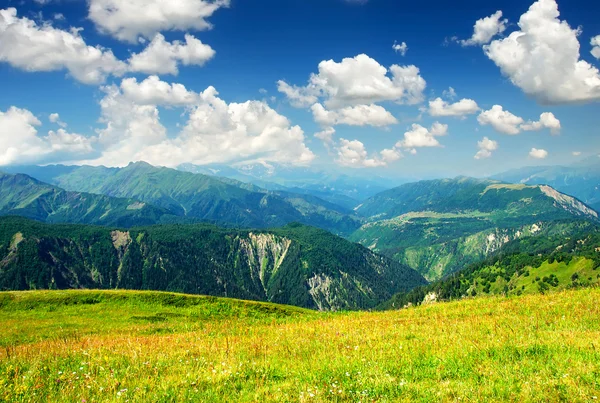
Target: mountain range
[(199, 197), (417, 232)]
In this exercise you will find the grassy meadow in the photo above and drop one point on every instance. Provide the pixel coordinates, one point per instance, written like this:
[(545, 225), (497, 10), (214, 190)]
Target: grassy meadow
[(92, 346)]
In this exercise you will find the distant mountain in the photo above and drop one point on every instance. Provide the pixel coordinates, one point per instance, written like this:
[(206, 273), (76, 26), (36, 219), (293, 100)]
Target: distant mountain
[(296, 265), (581, 180), (24, 196), (549, 261), (201, 197), (439, 227), (331, 186)]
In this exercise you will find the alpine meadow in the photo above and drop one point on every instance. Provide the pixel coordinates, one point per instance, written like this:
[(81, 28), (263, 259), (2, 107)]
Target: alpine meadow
[(361, 201)]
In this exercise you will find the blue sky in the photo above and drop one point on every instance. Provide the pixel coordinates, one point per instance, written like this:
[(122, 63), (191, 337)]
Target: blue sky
[(258, 43)]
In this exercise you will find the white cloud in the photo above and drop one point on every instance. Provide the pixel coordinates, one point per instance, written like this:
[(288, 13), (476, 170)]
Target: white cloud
[(450, 93), (162, 57), (326, 135), (55, 118), (576, 153), (353, 154), (153, 91), (501, 120), (543, 58), (538, 154), (401, 48), (485, 29), (299, 97), (486, 147), (547, 121), (25, 45), (216, 132), (20, 142), (358, 81), (505, 122), (128, 19), (420, 136), (439, 107), (595, 42), (360, 115)]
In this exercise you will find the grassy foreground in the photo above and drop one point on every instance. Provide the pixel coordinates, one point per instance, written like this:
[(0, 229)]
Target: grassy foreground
[(89, 346)]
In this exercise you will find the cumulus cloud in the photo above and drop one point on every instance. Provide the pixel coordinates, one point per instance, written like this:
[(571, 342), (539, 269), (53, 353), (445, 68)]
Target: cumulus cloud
[(485, 29), (438, 108), (576, 153), (162, 57), (31, 47), (326, 135), (128, 19), (543, 59), (352, 153), (420, 136), (502, 121), (538, 154), (360, 80), (505, 122), (299, 97), (547, 121), (401, 48), (154, 91), (215, 132), (360, 115), (486, 147), (595, 42), (55, 118), (20, 142)]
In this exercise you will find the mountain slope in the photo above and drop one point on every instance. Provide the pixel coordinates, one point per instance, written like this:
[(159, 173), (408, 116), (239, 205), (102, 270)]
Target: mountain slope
[(24, 196), (581, 180), (439, 227), (538, 264), (295, 265), (224, 202)]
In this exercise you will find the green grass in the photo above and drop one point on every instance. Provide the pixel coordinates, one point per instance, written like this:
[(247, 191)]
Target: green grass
[(158, 347), (579, 272)]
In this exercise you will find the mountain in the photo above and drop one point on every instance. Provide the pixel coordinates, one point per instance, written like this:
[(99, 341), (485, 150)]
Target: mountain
[(296, 265), (538, 264), (581, 180), (335, 187), (201, 197), (24, 196), (438, 227)]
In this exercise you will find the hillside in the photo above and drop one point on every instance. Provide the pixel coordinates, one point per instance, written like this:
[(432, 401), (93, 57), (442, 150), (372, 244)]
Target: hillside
[(151, 347), (581, 180), (24, 196), (200, 197), (294, 265), (439, 227), (529, 265)]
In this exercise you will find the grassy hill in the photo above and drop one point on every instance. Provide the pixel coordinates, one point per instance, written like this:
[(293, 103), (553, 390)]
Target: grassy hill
[(129, 346), (439, 227), (296, 265)]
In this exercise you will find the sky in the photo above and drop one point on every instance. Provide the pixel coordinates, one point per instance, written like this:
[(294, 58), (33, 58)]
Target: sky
[(392, 88)]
